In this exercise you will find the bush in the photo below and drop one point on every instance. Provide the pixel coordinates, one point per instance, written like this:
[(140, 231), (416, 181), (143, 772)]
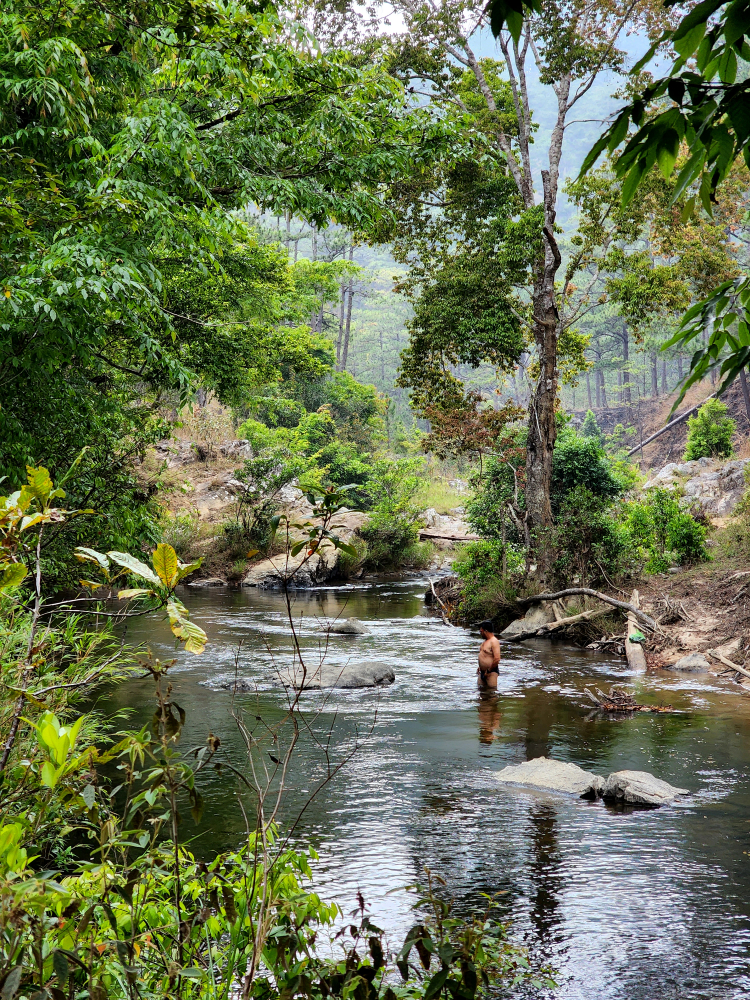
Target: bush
[(485, 593), (488, 507), (579, 461), (590, 427), (181, 531), (660, 530), (393, 526), (589, 539), (710, 432)]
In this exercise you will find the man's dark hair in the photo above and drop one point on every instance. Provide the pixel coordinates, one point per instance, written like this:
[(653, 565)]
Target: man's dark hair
[(488, 626)]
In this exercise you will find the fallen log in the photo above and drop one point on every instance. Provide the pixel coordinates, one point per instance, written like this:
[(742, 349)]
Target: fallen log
[(672, 423), (727, 662), (542, 630), (633, 650), (426, 534), (573, 591)]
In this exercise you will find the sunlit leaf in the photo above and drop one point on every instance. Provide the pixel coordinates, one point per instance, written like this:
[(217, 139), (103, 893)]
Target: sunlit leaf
[(165, 563), (135, 566)]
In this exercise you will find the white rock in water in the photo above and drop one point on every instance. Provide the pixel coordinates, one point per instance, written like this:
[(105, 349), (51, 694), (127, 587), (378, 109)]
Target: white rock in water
[(640, 788), (353, 675), (695, 662), (349, 627), (209, 581), (552, 776)]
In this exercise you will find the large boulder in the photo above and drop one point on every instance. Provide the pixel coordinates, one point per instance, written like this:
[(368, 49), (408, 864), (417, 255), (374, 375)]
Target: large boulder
[(208, 581), (552, 776), (640, 788), (693, 663), (535, 617), (349, 627), (363, 674), (303, 571)]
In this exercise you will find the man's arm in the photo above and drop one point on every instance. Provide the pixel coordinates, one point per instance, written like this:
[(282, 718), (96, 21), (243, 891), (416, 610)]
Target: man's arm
[(495, 651)]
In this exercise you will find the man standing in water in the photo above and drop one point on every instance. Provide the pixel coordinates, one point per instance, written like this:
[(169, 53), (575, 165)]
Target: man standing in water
[(489, 657)]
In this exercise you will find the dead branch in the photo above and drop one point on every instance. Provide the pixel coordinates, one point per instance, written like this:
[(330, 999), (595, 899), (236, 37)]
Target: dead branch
[(573, 591), (727, 662)]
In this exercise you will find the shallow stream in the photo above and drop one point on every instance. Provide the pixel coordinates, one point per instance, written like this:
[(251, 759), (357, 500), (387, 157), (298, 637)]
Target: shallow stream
[(631, 904)]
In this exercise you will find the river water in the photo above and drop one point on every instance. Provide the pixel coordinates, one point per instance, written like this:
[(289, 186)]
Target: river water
[(632, 904)]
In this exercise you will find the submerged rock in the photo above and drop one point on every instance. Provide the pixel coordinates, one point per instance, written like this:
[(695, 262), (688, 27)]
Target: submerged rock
[(353, 675), (552, 776), (640, 788), (226, 682), (349, 627), (209, 581), (693, 662)]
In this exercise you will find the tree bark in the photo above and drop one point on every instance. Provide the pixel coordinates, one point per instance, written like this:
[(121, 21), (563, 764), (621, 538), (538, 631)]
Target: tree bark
[(626, 395), (745, 392), (654, 376), (342, 313), (664, 383), (345, 352), (605, 404), (588, 387)]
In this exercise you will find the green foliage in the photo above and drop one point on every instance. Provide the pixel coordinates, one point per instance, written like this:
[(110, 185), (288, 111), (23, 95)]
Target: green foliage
[(589, 539), (710, 432), (659, 528), (590, 427), (485, 593), (487, 509), (392, 529), (581, 461)]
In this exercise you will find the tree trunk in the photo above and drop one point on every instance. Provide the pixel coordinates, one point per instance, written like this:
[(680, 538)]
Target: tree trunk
[(654, 376), (745, 392), (540, 443), (605, 404), (588, 388), (345, 352), (679, 367), (342, 313), (626, 396), (664, 389), (598, 389)]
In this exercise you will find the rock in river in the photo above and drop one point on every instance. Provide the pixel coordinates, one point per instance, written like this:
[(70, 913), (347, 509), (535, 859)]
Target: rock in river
[(349, 627), (693, 662), (640, 788), (208, 581), (552, 776), (354, 675), (228, 682)]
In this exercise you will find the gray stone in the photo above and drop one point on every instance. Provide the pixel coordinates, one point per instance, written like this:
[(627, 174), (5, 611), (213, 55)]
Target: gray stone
[(535, 617), (726, 505), (687, 468), (693, 663), (209, 581), (225, 682), (668, 471), (349, 627), (364, 674), (640, 788), (552, 776)]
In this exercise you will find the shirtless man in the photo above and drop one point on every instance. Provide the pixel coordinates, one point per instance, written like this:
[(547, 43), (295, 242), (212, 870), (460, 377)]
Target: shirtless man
[(489, 657)]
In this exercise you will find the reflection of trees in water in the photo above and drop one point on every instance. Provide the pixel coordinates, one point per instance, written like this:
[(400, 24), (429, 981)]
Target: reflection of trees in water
[(545, 871)]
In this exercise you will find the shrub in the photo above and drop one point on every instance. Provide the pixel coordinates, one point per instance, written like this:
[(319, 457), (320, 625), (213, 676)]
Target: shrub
[(590, 427), (488, 507), (485, 593), (660, 529), (710, 432), (589, 539), (579, 461)]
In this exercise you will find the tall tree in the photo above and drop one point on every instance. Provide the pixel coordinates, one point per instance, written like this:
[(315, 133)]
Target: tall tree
[(570, 43)]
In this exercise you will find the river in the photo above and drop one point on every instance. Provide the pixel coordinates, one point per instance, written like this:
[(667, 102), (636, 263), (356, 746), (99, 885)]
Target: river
[(632, 904)]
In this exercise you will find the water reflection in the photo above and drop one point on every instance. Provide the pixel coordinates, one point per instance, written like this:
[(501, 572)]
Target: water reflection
[(625, 905), (488, 710)]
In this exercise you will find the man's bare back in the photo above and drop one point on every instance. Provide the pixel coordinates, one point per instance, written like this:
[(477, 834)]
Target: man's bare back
[(489, 657)]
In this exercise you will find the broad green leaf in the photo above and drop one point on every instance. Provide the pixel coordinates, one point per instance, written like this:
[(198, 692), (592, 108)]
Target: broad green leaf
[(164, 560), (185, 569), (135, 566), (48, 773), (128, 595), (39, 482), (12, 576)]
